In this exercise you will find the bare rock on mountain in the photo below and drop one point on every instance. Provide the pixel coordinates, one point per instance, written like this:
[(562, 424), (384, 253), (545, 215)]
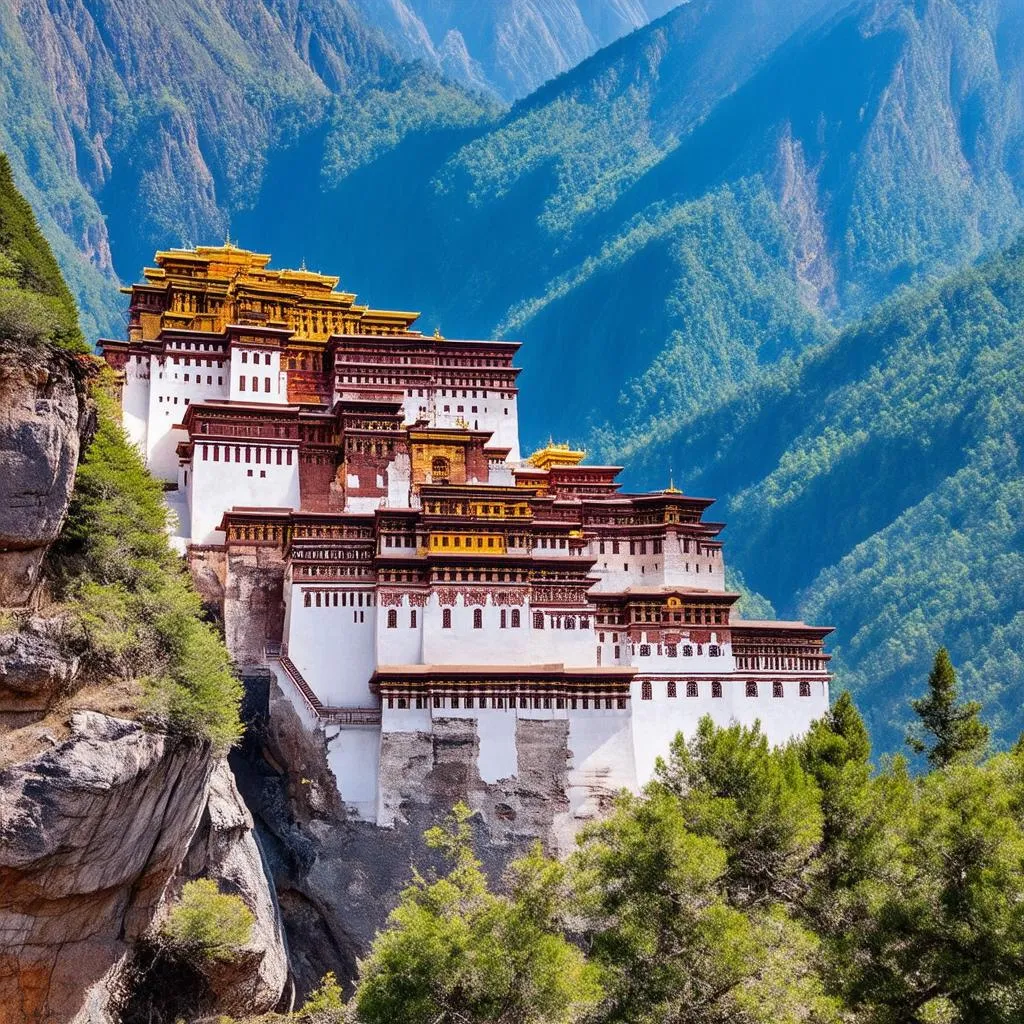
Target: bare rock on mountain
[(225, 848), (90, 834), (34, 667), (43, 412)]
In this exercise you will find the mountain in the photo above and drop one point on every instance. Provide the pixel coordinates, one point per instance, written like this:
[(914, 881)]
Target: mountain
[(723, 187), (880, 479), (132, 127), (508, 47)]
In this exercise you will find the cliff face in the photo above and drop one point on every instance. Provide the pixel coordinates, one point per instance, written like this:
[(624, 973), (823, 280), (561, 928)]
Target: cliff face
[(90, 834), (338, 878), (43, 417), (94, 835)]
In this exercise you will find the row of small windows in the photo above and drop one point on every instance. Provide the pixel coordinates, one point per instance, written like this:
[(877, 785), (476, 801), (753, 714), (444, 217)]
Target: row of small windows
[(256, 358), (284, 455), (175, 361), (509, 702), (255, 384), (330, 598), (693, 689)]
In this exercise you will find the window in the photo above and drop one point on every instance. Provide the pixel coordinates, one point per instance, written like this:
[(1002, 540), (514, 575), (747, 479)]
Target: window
[(645, 650), (716, 689), (671, 650), (691, 689), (266, 384), (671, 688), (751, 688), (241, 383), (245, 357), (412, 618), (714, 651), (446, 621), (478, 618), (645, 691), (687, 651), (538, 620), (504, 618), (570, 622), (255, 383), (440, 470), (392, 619), (777, 689), (515, 618), (805, 689)]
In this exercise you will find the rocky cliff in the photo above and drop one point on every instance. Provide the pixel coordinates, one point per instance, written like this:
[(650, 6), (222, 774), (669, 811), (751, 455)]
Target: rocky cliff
[(107, 805)]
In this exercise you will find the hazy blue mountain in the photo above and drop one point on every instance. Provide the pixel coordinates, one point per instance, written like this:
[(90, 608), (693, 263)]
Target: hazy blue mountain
[(508, 47), (136, 126)]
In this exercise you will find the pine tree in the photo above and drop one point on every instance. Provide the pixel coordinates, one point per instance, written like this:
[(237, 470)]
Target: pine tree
[(957, 734)]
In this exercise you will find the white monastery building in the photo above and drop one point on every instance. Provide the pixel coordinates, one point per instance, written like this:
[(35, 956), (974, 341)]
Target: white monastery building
[(425, 571)]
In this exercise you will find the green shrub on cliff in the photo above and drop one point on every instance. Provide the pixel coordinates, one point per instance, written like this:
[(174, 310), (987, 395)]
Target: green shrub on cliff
[(206, 924), (455, 951), (139, 616), (35, 304)]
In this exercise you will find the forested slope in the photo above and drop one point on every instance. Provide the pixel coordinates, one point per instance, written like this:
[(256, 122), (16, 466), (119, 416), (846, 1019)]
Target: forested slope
[(719, 188), (132, 127), (880, 479)]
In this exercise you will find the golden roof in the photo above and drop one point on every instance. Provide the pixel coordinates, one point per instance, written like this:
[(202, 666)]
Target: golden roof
[(211, 286), (556, 455)]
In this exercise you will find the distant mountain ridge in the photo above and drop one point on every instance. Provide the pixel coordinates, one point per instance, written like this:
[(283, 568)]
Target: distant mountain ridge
[(132, 127), (880, 480), (508, 47)]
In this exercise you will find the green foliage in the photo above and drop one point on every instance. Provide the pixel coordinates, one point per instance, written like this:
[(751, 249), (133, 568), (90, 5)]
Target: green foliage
[(205, 924), (454, 951), (757, 802), (746, 885), (139, 616), (949, 730), (326, 999), (36, 307), (884, 468)]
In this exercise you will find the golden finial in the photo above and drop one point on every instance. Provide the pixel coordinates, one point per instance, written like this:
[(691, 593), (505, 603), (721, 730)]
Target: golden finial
[(437, 334)]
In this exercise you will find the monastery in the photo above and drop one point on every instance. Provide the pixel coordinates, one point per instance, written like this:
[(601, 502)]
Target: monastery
[(351, 495)]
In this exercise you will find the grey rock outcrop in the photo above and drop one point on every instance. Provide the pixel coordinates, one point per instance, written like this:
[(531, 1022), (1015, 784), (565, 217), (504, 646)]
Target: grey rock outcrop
[(225, 848), (90, 834), (96, 835), (35, 668), (43, 416)]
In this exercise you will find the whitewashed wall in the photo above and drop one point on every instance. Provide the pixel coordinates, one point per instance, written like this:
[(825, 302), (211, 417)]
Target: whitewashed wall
[(256, 376), (176, 380), (463, 644), (333, 646), (220, 478), (353, 753), (656, 721)]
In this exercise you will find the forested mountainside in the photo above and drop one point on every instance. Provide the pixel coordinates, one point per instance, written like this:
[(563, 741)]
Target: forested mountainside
[(713, 191), (508, 47), (880, 479), (133, 127)]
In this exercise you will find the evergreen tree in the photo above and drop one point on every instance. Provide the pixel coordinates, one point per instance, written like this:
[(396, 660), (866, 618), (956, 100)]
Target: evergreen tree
[(955, 730), (456, 953)]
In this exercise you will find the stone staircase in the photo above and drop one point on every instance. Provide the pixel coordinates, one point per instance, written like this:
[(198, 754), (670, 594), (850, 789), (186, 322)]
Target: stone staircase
[(327, 715)]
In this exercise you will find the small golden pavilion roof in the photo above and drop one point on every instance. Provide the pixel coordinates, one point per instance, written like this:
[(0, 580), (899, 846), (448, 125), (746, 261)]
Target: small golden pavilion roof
[(556, 455)]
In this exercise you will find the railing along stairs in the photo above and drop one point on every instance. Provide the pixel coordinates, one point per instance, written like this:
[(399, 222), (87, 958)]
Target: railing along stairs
[(328, 715)]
